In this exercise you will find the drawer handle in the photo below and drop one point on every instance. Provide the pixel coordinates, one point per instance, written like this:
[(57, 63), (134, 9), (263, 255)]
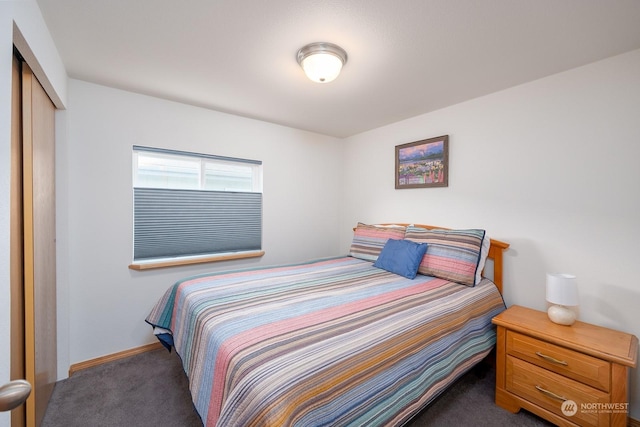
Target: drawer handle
[(550, 394), (551, 359)]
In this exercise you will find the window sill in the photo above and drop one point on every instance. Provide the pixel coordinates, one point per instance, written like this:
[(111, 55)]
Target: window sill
[(176, 262)]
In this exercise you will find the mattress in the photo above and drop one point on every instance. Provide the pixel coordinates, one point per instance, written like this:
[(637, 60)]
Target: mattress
[(333, 342)]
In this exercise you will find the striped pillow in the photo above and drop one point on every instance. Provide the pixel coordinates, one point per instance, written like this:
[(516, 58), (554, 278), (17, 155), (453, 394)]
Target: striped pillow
[(368, 240), (451, 254)]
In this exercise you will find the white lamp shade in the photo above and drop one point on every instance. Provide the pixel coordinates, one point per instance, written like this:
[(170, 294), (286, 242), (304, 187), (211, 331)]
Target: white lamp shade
[(562, 289), (322, 67)]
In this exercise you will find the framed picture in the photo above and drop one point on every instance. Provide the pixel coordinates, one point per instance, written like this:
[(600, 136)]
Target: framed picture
[(423, 164)]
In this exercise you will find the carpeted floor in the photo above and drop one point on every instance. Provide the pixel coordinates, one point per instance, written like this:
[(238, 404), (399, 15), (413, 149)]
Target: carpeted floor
[(151, 389)]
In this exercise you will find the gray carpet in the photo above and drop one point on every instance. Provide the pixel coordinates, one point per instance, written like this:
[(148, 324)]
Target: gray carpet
[(151, 389)]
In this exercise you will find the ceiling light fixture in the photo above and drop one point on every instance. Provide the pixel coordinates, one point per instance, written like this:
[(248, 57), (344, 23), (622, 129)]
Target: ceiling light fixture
[(322, 61)]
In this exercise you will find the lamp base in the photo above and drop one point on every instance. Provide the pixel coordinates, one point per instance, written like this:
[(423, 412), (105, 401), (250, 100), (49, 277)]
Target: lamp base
[(561, 315)]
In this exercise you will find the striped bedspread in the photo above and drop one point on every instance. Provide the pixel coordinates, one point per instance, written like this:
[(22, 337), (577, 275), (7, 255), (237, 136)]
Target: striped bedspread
[(328, 343)]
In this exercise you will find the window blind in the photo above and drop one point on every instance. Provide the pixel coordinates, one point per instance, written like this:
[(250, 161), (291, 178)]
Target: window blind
[(174, 223), (191, 154)]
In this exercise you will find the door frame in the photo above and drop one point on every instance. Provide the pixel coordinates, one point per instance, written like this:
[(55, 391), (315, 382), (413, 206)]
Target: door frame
[(17, 369)]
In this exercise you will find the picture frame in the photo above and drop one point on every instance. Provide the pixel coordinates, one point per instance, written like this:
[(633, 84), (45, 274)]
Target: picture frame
[(423, 164)]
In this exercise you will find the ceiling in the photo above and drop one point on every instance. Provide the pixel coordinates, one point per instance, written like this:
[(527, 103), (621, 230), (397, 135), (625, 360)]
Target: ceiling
[(406, 57)]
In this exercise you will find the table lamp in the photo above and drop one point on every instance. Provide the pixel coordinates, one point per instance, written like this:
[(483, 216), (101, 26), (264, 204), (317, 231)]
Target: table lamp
[(562, 293)]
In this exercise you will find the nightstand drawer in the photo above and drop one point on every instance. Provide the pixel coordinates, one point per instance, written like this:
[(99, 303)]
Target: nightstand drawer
[(581, 367), (549, 390)]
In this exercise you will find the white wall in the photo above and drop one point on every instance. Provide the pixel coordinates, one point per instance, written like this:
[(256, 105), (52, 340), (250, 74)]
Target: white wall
[(108, 302), (20, 23), (551, 167)]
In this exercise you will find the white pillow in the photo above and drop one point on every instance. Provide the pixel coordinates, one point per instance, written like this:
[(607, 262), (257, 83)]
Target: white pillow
[(484, 252)]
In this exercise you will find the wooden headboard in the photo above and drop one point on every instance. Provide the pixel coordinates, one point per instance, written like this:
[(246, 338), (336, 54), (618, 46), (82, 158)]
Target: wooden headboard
[(495, 252)]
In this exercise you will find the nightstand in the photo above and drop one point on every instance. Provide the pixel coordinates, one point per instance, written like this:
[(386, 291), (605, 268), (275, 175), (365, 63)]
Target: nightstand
[(568, 375)]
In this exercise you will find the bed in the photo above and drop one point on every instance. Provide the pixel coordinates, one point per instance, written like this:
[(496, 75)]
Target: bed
[(361, 339)]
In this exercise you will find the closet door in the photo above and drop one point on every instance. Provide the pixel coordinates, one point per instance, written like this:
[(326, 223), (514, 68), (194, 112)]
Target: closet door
[(38, 136)]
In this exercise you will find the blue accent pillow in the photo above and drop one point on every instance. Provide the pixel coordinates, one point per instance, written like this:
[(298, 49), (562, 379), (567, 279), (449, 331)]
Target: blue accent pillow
[(401, 257)]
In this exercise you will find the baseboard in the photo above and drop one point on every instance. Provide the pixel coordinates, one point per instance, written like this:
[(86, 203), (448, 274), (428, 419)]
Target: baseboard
[(632, 422), (115, 356)]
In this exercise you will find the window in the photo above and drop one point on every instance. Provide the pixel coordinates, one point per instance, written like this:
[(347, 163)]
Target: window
[(194, 205)]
